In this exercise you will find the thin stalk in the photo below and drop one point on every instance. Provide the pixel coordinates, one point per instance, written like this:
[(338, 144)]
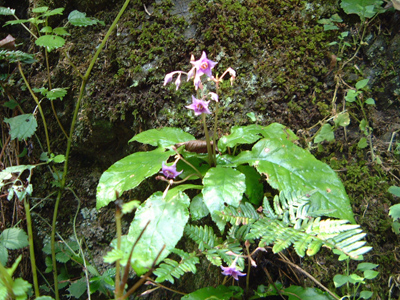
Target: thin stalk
[(69, 142), (50, 88), (118, 216), (38, 105), (215, 132), (209, 151), (31, 247)]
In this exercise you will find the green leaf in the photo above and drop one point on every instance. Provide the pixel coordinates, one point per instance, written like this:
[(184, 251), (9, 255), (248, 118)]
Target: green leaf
[(342, 119), (57, 11), (56, 93), (366, 294), (164, 137), (39, 10), (396, 227), (363, 8), (362, 143), (128, 173), (297, 292), (240, 135), (14, 238), (222, 185), (20, 288), (6, 11), (394, 190), (50, 41), (130, 206), (221, 292), (339, 280), (78, 18), (11, 104), (370, 101), (15, 22), (77, 288), (362, 83), (46, 29), (394, 211), (59, 158), (370, 274), (366, 266), (3, 255), (168, 217), (254, 186), (60, 31), (290, 169), (22, 126), (44, 298), (198, 209), (351, 96), (326, 134)]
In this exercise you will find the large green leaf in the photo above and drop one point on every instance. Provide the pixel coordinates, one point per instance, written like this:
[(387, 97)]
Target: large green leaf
[(50, 41), (290, 168), (128, 173), (78, 18), (363, 8), (222, 185), (22, 126), (251, 133), (167, 218), (164, 137), (14, 238), (221, 292), (254, 186)]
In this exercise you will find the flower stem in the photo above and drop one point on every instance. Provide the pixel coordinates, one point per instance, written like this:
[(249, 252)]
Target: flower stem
[(31, 247), (209, 150)]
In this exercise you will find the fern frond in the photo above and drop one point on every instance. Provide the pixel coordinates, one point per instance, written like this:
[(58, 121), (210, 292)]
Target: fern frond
[(203, 236), (15, 56), (171, 268), (308, 237), (244, 214)]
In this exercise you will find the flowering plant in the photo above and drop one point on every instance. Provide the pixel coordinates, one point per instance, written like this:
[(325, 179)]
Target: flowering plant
[(228, 184)]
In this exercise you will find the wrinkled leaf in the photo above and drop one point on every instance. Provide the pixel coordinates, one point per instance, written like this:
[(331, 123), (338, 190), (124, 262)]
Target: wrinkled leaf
[(56, 93), (164, 137), (128, 173), (60, 31), (362, 8), (342, 119), (50, 41), (14, 238), (290, 168), (168, 217), (22, 126), (39, 10), (78, 18), (222, 185)]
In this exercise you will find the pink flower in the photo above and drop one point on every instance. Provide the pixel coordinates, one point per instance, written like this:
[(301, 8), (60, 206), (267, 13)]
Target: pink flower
[(199, 106), (203, 65), (232, 271), (170, 172)]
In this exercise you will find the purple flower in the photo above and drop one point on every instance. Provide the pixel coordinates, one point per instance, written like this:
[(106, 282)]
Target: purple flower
[(168, 78), (232, 271), (203, 65), (199, 106), (170, 172)]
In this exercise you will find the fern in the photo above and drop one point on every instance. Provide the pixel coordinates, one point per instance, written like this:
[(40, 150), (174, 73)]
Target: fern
[(244, 214), (15, 56), (171, 268), (203, 236), (310, 236)]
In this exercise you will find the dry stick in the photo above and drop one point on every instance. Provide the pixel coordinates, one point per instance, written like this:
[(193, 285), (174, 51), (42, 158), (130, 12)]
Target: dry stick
[(159, 285), (311, 277), (69, 143), (4, 146), (144, 277)]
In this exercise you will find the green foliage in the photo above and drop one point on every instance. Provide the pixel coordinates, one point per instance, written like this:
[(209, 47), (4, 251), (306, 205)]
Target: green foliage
[(22, 126), (170, 268), (17, 186), (220, 292), (293, 292), (78, 18), (10, 288), (11, 239), (164, 137), (13, 56), (50, 42), (394, 210), (244, 214), (6, 11), (363, 8), (203, 236)]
